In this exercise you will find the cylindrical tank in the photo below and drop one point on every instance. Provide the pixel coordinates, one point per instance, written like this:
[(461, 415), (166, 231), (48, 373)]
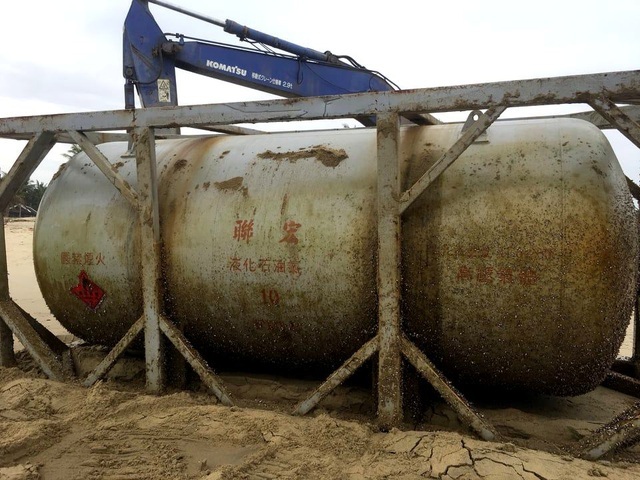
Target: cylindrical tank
[(518, 266)]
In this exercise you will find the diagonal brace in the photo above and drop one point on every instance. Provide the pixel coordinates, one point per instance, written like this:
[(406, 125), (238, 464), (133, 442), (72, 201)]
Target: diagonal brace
[(109, 361), (347, 369), (46, 359), (623, 431), (617, 118), (455, 400), (179, 341), (105, 166), (196, 361), (468, 137), (32, 154)]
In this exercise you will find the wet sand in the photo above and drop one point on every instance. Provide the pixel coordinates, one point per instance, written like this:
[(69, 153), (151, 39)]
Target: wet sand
[(53, 430)]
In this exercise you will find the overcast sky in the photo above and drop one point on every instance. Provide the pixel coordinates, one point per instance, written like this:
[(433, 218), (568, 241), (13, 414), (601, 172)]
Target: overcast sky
[(66, 55)]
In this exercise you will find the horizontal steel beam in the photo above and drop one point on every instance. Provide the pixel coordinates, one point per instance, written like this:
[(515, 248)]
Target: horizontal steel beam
[(95, 137), (617, 86), (632, 111)]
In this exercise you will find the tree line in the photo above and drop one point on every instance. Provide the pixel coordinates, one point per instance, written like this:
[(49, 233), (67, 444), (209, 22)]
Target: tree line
[(29, 194)]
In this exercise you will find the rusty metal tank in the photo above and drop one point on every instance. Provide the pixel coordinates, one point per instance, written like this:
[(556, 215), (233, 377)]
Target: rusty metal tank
[(519, 262)]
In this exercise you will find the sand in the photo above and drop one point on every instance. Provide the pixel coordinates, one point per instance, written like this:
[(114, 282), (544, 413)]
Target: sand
[(54, 430)]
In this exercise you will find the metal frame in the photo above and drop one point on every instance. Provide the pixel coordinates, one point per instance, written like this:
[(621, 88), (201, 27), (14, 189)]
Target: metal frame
[(600, 91)]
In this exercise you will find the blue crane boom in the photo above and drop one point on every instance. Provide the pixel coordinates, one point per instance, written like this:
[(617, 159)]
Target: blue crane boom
[(150, 59)]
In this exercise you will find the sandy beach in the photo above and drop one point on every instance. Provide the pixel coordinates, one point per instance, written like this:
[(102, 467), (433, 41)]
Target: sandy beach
[(53, 430)]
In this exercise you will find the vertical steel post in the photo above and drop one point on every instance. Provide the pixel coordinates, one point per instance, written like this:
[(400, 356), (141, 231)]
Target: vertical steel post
[(150, 256), (389, 357), (7, 357), (635, 356)]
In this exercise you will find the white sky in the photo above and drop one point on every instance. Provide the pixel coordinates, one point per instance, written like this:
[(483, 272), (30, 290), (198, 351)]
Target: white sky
[(65, 55)]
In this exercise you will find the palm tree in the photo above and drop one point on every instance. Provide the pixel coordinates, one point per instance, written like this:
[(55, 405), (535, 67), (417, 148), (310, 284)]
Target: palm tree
[(73, 149), (32, 193)]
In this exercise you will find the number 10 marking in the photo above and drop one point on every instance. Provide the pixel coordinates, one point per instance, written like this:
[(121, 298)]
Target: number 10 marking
[(270, 297)]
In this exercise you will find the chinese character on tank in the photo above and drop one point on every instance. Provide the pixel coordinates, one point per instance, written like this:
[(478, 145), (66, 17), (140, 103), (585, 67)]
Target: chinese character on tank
[(290, 227), (243, 230)]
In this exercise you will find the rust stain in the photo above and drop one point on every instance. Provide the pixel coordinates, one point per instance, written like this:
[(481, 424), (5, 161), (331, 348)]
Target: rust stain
[(196, 148), (329, 157), (206, 185), (598, 171), (180, 164), (59, 172), (233, 184), (116, 166)]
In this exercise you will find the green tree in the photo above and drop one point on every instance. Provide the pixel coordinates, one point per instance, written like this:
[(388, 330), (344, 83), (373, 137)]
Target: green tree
[(73, 149), (32, 193), (29, 194)]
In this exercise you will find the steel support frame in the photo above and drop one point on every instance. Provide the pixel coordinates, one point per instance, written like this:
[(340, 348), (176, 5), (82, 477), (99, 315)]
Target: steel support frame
[(390, 343), (153, 323), (13, 320), (389, 275), (601, 91)]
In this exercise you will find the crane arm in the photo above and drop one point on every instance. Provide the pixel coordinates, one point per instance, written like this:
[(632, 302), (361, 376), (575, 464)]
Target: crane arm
[(150, 60)]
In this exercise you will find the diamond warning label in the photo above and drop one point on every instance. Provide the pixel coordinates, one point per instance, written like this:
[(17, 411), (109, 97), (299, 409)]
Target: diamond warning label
[(88, 291)]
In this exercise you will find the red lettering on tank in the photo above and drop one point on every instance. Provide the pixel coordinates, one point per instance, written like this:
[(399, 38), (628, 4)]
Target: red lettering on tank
[(243, 230), (270, 296), (528, 277), (250, 265), (487, 275), (82, 258), (88, 291), (276, 326), (234, 264), (291, 228), (484, 275), (294, 268), (464, 274), (505, 275), (281, 266), (264, 266)]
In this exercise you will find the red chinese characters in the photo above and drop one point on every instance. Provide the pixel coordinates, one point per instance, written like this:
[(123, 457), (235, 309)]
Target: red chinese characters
[(291, 228), (489, 275), (243, 230), (264, 266), (82, 258)]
